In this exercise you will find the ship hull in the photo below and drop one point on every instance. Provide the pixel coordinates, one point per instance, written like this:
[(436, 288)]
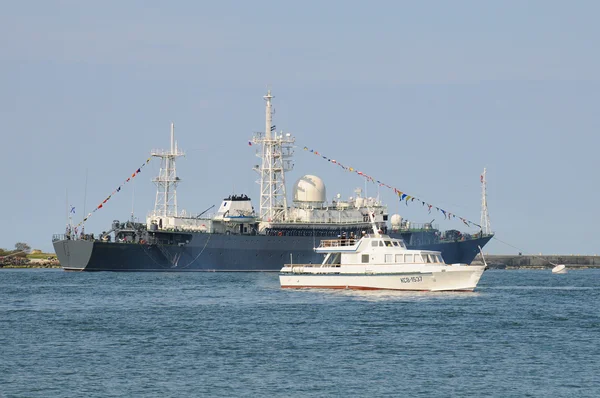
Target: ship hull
[(221, 252)]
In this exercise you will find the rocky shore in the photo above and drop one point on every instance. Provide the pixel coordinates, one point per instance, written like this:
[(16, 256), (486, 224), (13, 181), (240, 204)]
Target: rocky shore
[(21, 262)]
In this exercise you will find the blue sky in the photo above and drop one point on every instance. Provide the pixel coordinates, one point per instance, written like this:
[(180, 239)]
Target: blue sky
[(421, 95)]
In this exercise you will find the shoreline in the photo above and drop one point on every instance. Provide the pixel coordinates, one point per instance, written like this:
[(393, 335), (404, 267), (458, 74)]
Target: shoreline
[(19, 262), (494, 261), (24, 266), (491, 267)]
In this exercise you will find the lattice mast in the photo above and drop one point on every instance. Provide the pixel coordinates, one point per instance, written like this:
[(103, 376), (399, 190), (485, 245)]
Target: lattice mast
[(167, 180), (485, 217), (276, 152)]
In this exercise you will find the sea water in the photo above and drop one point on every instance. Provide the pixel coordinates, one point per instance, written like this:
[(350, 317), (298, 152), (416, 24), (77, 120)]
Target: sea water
[(521, 333)]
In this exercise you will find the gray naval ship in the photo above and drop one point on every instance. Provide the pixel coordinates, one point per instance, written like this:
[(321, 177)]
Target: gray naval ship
[(237, 238)]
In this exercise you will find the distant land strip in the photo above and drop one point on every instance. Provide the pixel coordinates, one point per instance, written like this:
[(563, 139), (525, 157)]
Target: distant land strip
[(494, 261), (507, 261)]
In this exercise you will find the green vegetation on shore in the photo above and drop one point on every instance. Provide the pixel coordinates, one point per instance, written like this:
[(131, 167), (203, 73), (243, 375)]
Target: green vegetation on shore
[(41, 255)]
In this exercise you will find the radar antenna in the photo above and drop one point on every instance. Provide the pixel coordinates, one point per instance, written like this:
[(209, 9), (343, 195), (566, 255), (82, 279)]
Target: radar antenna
[(485, 217), (167, 180)]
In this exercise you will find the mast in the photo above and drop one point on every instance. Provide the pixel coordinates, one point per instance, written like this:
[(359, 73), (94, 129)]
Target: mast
[(485, 217), (167, 180), (276, 152)]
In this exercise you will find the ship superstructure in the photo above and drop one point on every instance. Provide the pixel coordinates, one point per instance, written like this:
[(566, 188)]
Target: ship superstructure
[(310, 213)]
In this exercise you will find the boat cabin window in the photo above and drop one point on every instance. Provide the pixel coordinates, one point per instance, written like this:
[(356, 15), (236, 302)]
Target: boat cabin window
[(388, 243), (374, 243), (439, 258), (408, 258), (395, 243), (365, 258), (389, 258), (380, 243), (399, 258), (432, 258), (427, 258), (418, 258)]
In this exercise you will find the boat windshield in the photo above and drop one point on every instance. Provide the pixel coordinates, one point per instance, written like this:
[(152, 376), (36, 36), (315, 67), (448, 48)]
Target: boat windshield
[(333, 258)]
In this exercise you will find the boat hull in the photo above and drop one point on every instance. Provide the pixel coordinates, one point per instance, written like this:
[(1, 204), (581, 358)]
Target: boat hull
[(464, 280), (220, 252)]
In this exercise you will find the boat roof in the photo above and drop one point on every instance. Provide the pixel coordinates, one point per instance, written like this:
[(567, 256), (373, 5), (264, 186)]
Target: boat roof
[(350, 245)]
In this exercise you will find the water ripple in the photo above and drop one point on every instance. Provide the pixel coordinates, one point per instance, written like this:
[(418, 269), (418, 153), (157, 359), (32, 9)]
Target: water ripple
[(521, 333)]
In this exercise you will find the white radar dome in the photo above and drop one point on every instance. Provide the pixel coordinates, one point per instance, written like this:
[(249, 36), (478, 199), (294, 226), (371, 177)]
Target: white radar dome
[(396, 220), (310, 189)]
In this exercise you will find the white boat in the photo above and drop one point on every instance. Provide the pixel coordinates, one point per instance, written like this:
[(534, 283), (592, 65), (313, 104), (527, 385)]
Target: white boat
[(376, 261), (559, 269)]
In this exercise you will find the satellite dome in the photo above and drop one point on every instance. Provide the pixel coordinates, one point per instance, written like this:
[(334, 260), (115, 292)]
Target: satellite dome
[(309, 189), (396, 220)]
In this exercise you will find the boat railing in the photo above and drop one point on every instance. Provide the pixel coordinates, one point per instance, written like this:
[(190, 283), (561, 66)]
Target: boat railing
[(304, 265), (300, 267), (338, 242)]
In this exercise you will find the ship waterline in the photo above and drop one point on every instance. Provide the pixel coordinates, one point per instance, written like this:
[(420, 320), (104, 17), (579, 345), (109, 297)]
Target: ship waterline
[(220, 252)]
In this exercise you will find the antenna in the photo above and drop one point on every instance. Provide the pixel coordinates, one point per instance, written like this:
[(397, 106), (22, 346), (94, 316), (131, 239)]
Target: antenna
[(85, 192), (67, 205), (485, 217), (268, 115), (132, 198), (276, 152)]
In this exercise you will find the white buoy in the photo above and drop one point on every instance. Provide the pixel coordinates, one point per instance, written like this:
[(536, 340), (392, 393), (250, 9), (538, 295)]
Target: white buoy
[(559, 269)]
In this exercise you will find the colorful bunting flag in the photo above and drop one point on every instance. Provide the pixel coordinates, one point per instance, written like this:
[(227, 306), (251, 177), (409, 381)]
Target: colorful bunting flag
[(401, 195), (139, 170)]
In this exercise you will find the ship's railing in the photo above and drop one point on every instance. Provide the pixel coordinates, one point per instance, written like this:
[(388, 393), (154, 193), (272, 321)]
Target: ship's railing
[(463, 237), (57, 237), (416, 227), (324, 222), (338, 242), (167, 152), (182, 214)]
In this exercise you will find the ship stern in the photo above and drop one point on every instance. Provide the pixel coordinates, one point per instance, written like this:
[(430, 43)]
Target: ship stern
[(73, 255)]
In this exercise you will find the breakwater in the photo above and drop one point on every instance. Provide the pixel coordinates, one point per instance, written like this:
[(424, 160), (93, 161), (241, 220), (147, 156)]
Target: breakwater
[(501, 261)]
